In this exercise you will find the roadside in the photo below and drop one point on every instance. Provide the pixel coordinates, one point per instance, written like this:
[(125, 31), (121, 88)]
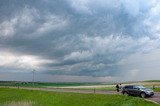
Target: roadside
[(155, 98)]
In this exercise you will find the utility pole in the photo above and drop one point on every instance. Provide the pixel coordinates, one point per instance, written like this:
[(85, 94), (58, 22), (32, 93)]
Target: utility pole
[(33, 75)]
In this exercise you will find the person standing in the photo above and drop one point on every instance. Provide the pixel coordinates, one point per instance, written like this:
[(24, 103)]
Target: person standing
[(117, 88)]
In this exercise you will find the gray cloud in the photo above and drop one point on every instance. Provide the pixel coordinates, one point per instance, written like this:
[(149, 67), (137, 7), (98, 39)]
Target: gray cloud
[(77, 38)]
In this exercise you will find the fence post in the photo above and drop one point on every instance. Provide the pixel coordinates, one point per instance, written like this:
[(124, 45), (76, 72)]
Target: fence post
[(94, 90), (153, 86)]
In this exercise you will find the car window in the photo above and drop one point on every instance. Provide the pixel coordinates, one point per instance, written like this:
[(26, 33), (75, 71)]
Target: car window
[(135, 87), (129, 87), (141, 87)]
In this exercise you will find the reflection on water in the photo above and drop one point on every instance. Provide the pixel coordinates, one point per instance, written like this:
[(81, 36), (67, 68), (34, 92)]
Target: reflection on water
[(20, 103)]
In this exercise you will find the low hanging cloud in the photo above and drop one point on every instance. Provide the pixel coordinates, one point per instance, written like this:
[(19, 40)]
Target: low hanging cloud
[(79, 56), (10, 61), (79, 38)]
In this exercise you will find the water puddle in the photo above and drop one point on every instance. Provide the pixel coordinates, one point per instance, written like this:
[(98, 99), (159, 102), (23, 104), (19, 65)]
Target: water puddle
[(20, 103)]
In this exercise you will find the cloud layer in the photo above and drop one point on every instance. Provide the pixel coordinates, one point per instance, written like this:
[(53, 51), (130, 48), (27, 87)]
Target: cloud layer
[(80, 38)]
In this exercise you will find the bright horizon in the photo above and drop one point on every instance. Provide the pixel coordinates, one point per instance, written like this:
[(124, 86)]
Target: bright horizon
[(80, 40)]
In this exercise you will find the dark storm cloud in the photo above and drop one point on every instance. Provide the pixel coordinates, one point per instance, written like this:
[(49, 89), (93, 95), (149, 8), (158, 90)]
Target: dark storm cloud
[(77, 37)]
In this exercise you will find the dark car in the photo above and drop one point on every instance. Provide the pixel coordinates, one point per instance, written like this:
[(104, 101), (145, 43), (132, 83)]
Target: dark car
[(137, 90)]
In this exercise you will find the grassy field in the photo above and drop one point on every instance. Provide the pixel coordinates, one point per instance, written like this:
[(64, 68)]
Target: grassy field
[(44, 98), (40, 84), (152, 81), (73, 84)]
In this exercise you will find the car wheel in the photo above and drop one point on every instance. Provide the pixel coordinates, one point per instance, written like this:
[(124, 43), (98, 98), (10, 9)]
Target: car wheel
[(125, 94), (143, 95)]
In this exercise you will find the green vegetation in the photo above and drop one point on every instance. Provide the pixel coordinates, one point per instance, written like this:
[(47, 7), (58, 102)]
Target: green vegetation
[(157, 89), (45, 98), (40, 84), (152, 81)]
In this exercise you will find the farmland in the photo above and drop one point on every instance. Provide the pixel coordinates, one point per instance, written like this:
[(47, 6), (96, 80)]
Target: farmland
[(81, 86), (67, 85), (41, 84)]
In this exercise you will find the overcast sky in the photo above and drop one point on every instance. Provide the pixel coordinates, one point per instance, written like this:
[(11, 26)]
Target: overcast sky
[(80, 40)]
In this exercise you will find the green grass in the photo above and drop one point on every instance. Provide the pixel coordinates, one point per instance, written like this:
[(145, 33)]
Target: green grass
[(45, 98), (157, 89), (152, 81), (38, 84)]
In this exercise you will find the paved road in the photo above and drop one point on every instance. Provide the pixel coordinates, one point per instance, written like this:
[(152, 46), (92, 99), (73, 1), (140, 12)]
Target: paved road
[(155, 98)]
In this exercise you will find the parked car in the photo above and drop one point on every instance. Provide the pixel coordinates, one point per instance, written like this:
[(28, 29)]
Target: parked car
[(137, 90)]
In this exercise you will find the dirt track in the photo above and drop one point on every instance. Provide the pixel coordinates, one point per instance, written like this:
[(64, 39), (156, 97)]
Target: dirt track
[(155, 98)]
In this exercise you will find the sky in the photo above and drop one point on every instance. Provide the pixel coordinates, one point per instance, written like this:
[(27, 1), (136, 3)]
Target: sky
[(80, 40)]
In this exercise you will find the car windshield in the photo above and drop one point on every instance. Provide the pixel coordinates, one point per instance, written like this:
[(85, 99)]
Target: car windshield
[(141, 87)]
